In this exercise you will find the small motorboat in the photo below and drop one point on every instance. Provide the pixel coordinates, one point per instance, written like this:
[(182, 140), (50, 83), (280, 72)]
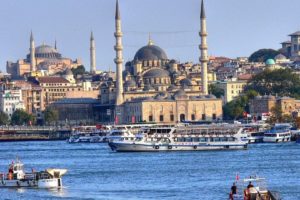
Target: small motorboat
[(252, 188), (17, 177)]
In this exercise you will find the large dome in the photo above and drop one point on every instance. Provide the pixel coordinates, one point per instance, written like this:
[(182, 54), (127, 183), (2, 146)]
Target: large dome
[(150, 52), (46, 51)]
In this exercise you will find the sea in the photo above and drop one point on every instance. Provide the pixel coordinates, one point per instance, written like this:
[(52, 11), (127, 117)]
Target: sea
[(95, 172)]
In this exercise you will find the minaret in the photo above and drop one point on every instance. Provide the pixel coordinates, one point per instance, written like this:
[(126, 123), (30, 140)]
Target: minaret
[(203, 48), (32, 54), (55, 44), (92, 54), (119, 56)]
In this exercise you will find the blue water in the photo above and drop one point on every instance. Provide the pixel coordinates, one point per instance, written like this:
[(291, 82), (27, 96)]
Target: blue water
[(97, 173)]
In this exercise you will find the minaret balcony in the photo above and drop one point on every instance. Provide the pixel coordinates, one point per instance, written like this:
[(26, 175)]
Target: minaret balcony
[(118, 34), (118, 48), (203, 34), (118, 60)]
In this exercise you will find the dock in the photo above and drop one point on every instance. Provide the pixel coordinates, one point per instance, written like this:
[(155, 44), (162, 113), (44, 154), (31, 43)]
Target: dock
[(33, 133)]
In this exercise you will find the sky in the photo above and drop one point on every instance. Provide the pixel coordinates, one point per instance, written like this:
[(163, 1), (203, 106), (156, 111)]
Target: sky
[(235, 27)]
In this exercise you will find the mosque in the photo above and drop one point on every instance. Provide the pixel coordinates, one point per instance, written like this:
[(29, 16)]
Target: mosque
[(154, 88), (43, 58)]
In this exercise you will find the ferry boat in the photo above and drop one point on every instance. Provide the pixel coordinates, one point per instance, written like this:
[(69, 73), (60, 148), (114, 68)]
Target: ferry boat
[(253, 187), (183, 138), (129, 131), (255, 132), (279, 133), (89, 134), (16, 177)]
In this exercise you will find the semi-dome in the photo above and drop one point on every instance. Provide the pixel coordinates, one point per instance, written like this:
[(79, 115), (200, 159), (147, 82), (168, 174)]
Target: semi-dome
[(150, 52), (156, 73), (270, 62), (186, 82), (130, 83)]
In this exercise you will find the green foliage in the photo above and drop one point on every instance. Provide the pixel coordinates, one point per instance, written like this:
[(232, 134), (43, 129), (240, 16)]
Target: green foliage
[(4, 119), (78, 71), (263, 54), (50, 115), (236, 108), (213, 89), (20, 117), (281, 82)]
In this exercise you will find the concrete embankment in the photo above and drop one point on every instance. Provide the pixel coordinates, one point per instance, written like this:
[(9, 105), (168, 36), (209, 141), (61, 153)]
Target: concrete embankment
[(33, 133)]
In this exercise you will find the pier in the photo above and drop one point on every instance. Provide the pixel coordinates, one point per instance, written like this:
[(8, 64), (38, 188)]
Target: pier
[(33, 133)]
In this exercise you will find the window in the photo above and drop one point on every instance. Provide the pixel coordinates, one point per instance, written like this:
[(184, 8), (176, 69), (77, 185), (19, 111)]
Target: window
[(214, 116), (193, 117), (171, 117), (150, 118), (161, 118), (203, 117)]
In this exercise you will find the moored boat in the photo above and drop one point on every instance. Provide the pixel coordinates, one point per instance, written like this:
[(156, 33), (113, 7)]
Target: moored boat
[(17, 177), (279, 133), (183, 138), (89, 134)]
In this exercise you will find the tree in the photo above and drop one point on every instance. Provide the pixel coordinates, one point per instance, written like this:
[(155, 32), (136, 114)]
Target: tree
[(263, 54), (236, 108), (215, 90), (4, 119), (20, 117), (50, 115), (282, 82), (80, 70)]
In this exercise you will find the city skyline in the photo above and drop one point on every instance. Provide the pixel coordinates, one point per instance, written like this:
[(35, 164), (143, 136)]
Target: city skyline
[(176, 31)]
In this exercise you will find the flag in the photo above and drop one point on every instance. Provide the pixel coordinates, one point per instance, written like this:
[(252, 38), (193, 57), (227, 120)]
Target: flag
[(237, 177)]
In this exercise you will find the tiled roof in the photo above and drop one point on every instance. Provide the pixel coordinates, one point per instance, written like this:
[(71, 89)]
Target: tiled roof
[(51, 79), (244, 76)]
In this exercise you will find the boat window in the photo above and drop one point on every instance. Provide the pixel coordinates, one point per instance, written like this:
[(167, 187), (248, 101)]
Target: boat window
[(231, 139), (203, 139), (217, 139), (188, 139), (196, 139)]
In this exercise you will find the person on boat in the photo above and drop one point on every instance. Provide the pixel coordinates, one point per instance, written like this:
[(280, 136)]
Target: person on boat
[(233, 191), (250, 185)]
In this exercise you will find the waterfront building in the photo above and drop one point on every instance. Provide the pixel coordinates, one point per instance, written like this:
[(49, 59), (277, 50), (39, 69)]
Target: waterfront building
[(10, 100), (262, 105), (75, 111), (151, 78), (41, 58)]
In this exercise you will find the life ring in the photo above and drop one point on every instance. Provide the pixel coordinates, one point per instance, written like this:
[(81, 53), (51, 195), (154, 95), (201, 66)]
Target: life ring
[(169, 147), (195, 147), (168, 135), (156, 147)]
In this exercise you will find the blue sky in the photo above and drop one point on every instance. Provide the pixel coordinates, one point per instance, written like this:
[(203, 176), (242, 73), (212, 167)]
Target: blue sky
[(235, 27)]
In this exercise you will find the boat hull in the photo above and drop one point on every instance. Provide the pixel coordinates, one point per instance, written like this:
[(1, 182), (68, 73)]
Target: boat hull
[(43, 183), (121, 147), (276, 139)]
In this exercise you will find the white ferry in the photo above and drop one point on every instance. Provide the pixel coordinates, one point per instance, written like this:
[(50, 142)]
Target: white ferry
[(89, 134), (16, 177), (253, 187), (279, 133), (129, 131), (183, 138), (255, 132)]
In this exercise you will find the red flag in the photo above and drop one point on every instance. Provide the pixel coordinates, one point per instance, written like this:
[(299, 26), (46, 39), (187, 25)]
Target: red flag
[(116, 120), (237, 177), (133, 119)]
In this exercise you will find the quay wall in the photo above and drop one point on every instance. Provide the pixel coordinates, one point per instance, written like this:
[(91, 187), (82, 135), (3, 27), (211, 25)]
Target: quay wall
[(8, 134)]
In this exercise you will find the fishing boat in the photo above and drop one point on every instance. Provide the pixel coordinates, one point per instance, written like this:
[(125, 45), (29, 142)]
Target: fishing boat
[(278, 133), (17, 177), (183, 138), (252, 188)]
